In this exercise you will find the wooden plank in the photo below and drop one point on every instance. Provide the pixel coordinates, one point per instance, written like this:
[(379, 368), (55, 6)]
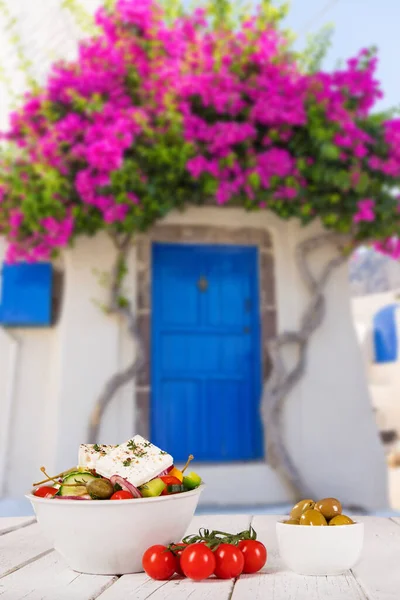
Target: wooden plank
[(21, 547), (275, 582), (13, 523), (378, 572), (289, 586), (28, 570), (140, 587), (49, 578)]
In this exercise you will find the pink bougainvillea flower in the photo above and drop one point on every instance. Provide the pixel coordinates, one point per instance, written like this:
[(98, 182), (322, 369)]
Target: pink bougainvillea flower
[(365, 211), (355, 177), (16, 218), (374, 163), (115, 213), (133, 198), (153, 109), (286, 193), (360, 151)]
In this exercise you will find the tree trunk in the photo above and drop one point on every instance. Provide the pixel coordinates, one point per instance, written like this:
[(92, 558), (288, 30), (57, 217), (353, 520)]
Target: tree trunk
[(121, 307), (282, 379)]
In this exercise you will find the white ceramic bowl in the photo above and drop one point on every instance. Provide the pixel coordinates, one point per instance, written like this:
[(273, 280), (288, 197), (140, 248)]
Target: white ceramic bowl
[(308, 550), (109, 537)]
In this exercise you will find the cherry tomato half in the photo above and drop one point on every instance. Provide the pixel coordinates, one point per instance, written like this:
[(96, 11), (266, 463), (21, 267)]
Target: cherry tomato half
[(255, 555), (178, 554), (159, 562), (197, 562), (229, 562), (121, 495), (45, 492), (169, 480)]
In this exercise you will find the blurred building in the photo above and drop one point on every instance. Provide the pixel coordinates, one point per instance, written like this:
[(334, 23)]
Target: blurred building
[(209, 287)]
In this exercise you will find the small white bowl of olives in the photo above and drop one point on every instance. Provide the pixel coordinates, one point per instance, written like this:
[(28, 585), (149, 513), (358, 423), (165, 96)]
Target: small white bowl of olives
[(318, 539)]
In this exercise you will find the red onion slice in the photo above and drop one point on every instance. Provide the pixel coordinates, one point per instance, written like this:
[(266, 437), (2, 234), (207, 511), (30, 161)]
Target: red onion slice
[(165, 472), (128, 487)]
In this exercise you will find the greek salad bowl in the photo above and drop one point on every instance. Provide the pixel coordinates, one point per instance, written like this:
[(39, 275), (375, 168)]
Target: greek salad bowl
[(102, 515)]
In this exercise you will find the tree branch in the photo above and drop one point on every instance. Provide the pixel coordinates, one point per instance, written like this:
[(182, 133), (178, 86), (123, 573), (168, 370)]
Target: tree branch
[(282, 381), (124, 310)]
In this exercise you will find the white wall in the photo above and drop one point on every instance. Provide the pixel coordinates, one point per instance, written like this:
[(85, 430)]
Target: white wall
[(341, 451), (61, 371), (383, 378), (329, 426), (328, 420)]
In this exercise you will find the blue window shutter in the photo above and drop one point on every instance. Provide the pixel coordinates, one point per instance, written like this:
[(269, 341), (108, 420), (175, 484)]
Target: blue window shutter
[(385, 335), (26, 295)]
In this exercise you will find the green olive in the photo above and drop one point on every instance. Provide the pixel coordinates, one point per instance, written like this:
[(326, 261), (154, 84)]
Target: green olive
[(100, 489), (329, 507), (312, 517), (292, 522), (341, 520), (300, 507)]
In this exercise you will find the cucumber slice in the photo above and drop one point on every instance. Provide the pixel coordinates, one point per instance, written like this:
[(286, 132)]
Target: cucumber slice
[(72, 490), (69, 489), (79, 477), (174, 488), (153, 488), (192, 481)]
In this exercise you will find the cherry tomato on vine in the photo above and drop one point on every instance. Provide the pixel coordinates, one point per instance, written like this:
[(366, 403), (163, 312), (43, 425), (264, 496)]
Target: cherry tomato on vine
[(121, 495), (159, 562), (229, 562), (178, 554), (45, 492), (197, 562), (254, 554)]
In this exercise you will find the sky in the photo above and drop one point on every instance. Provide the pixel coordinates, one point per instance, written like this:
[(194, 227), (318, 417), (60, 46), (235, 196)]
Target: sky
[(358, 24)]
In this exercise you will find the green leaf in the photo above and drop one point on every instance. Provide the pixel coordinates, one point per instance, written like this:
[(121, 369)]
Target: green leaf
[(210, 186), (306, 209), (342, 180), (363, 183), (330, 219), (329, 151), (254, 180), (318, 44)]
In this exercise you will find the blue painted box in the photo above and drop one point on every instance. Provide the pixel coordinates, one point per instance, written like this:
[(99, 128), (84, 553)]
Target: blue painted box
[(386, 335), (26, 295)]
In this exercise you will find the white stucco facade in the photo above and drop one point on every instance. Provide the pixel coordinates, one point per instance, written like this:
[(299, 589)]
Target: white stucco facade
[(50, 378), (383, 378), (328, 421)]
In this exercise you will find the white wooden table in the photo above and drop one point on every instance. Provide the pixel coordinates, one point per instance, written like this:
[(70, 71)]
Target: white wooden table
[(31, 570)]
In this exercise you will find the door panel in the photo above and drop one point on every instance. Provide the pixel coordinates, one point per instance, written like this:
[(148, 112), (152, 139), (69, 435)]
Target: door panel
[(186, 396), (206, 366)]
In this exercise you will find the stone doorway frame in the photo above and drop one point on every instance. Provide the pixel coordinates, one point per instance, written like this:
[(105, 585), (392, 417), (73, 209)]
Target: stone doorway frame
[(198, 234)]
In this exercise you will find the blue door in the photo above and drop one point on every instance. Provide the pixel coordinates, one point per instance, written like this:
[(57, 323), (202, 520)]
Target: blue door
[(206, 363)]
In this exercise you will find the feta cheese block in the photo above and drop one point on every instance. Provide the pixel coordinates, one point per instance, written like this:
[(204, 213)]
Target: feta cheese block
[(89, 454), (138, 461)]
